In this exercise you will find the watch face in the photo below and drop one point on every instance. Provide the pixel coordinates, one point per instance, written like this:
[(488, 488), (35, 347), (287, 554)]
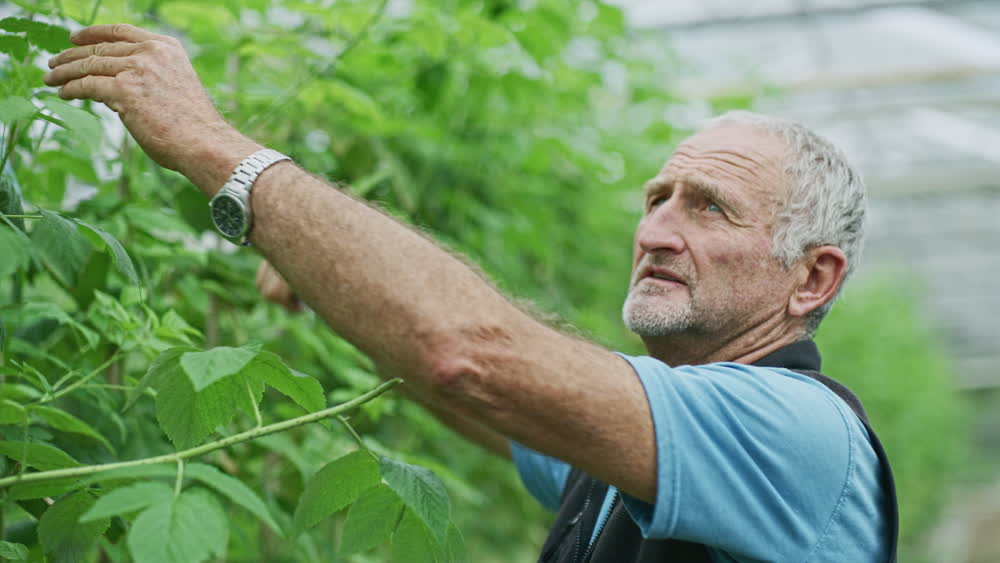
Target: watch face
[(228, 216)]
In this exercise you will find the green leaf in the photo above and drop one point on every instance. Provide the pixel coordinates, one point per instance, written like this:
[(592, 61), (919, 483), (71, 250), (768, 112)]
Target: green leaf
[(122, 260), (13, 551), (422, 491), (234, 489), (52, 38), (10, 197), (413, 542), (41, 489), (336, 485), (18, 25), (301, 388), (15, 108), (60, 533), (188, 416), (126, 500), (455, 548), (165, 365), (62, 420), (11, 412), (16, 47), (16, 252), (82, 125), (205, 368), (189, 529), (370, 520), (39, 456), (61, 247)]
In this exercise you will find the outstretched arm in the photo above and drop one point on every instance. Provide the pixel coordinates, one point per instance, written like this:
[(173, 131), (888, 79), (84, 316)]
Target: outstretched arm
[(417, 310)]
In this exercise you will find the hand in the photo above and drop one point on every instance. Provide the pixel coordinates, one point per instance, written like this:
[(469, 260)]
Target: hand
[(274, 288), (149, 81)]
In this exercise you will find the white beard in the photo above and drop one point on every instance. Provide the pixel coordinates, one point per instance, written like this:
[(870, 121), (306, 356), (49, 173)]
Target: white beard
[(647, 313)]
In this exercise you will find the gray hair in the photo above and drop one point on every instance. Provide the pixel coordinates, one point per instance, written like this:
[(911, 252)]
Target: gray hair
[(826, 198)]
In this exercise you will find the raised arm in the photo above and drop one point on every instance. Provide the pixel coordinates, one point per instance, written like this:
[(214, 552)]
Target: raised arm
[(420, 312)]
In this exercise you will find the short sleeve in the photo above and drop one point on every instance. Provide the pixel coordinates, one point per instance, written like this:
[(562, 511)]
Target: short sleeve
[(749, 459), (543, 476)]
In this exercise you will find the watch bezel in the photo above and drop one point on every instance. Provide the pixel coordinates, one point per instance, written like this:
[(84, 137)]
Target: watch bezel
[(226, 194)]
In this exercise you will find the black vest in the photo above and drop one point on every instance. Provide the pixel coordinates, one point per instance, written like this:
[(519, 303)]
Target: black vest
[(620, 540)]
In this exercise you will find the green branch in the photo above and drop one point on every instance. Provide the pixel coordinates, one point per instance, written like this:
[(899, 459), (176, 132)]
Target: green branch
[(204, 448)]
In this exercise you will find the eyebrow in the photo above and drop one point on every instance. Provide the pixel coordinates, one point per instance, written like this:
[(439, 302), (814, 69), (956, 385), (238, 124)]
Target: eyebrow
[(708, 189)]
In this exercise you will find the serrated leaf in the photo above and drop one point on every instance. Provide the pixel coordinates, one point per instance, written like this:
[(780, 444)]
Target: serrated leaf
[(84, 126), (163, 366), (336, 485), (370, 520), (64, 539), (15, 108), (39, 456), (125, 500), (62, 420), (51, 38), (234, 489), (188, 416), (205, 368), (15, 46), (122, 260), (189, 529), (413, 542), (422, 491), (63, 250), (304, 390), (13, 551), (11, 412)]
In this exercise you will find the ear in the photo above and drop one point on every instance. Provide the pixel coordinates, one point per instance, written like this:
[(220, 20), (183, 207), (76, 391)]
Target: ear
[(821, 271)]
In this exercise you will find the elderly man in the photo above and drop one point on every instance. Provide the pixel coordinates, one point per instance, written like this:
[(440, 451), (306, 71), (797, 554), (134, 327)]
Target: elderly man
[(724, 444)]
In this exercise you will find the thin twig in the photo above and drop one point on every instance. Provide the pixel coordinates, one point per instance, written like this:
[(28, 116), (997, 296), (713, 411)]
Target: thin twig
[(204, 448)]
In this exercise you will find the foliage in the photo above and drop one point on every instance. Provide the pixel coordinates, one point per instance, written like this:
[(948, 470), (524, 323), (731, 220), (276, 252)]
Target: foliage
[(130, 331)]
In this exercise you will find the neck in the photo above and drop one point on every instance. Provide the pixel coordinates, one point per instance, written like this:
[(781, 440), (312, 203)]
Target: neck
[(692, 348)]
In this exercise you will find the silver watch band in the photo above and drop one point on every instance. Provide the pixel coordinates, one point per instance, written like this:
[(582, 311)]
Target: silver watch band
[(249, 168)]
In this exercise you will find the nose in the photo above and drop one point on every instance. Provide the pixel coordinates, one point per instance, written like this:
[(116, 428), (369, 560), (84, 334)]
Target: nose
[(659, 230)]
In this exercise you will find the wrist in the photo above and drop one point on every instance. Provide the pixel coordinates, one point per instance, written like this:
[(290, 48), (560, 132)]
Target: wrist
[(212, 161)]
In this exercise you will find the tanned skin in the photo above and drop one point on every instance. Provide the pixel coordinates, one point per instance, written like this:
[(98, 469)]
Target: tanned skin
[(424, 315)]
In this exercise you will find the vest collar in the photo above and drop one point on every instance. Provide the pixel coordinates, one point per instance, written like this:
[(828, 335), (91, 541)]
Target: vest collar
[(801, 355)]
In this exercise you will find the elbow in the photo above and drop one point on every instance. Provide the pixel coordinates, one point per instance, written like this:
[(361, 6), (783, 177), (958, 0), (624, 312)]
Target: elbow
[(465, 364)]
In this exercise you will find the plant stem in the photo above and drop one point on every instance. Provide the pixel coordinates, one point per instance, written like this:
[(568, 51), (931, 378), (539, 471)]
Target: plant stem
[(204, 448), (83, 380), (24, 216), (253, 402), (355, 435), (93, 13), (180, 478)]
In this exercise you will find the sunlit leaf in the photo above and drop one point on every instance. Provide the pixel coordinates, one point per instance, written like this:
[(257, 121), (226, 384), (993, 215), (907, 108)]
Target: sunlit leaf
[(82, 125), (190, 529), (188, 416), (15, 108), (205, 368)]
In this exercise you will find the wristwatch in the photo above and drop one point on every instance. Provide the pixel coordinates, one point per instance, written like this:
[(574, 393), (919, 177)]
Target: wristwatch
[(231, 205)]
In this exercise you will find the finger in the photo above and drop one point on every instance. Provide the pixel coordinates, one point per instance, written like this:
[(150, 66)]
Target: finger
[(119, 49), (98, 88), (109, 33), (92, 65)]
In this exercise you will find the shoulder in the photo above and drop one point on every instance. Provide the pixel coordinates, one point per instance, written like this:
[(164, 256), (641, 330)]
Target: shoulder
[(768, 445)]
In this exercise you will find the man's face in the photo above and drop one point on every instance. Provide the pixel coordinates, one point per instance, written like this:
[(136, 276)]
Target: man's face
[(702, 254)]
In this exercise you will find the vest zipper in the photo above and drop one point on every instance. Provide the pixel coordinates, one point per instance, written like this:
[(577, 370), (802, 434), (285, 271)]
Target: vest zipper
[(579, 531), (615, 497)]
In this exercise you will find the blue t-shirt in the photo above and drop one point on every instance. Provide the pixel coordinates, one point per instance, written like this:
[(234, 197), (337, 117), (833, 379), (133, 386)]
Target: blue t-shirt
[(758, 463)]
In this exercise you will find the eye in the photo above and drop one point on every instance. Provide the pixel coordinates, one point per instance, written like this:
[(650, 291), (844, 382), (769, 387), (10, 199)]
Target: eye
[(713, 207), (655, 201)]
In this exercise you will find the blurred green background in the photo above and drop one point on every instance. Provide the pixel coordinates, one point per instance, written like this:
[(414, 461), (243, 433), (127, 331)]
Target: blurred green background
[(516, 133)]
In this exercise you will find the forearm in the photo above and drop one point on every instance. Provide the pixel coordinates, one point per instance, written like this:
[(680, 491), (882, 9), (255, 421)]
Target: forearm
[(392, 292)]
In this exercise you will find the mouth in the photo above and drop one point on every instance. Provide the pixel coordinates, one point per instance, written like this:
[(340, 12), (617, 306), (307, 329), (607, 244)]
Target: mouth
[(661, 276)]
